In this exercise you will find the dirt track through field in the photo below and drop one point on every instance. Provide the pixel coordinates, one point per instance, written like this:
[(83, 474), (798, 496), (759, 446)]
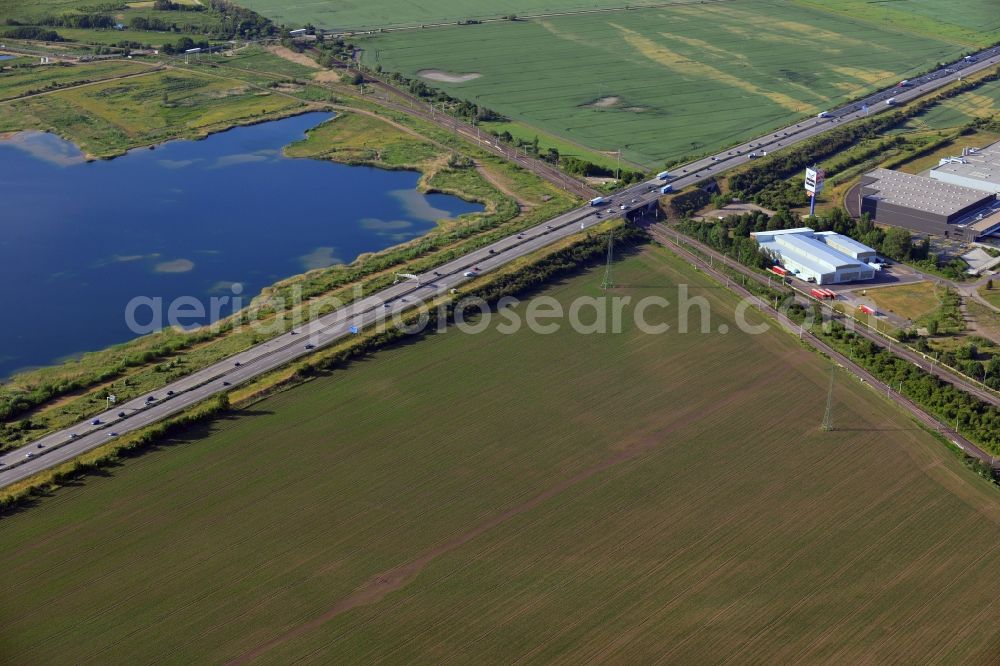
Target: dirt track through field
[(394, 579), (292, 56)]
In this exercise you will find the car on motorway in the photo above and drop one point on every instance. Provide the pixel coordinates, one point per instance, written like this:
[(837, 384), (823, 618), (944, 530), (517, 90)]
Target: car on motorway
[(470, 274), (492, 251), (151, 398), (29, 454), (237, 364), (226, 384), (121, 415), (170, 392), (437, 273), (310, 345), (40, 446), (73, 435), (96, 422), (112, 434)]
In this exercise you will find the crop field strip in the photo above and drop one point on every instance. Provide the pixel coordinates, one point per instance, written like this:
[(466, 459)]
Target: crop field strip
[(975, 23), (967, 21), (683, 79), (574, 539), (358, 14), (960, 110)]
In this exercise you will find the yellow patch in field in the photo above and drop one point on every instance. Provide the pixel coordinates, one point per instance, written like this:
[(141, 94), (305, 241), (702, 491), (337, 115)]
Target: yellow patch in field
[(708, 47), (863, 74), (972, 104), (681, 64), (817, 34), (773, 37), (768, 25), (568, 36)]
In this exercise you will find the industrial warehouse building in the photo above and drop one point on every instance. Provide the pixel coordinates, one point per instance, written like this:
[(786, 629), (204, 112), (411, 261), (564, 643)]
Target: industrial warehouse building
[(820, 257), (977, 168), (928, 205)]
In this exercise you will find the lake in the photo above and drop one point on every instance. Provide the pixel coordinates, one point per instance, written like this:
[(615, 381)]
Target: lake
[(79, 240)]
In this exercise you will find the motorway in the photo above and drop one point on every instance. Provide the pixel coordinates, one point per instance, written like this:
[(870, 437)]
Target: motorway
[(63, 446)]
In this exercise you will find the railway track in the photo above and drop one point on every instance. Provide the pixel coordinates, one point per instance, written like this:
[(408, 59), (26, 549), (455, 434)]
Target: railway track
[(671, 240)]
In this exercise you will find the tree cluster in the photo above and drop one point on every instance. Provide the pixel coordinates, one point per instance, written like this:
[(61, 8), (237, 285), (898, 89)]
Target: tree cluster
[(33, 32)]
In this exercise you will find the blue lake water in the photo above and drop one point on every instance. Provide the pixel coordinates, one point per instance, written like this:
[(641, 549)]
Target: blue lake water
[(79, 240)]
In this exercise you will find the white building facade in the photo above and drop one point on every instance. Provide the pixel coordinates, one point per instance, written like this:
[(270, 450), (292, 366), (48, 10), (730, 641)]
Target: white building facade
[(819, 257)]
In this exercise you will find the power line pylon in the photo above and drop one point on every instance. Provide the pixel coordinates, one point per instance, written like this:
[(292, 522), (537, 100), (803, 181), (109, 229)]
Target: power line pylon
[(828, 416), (608, 283)]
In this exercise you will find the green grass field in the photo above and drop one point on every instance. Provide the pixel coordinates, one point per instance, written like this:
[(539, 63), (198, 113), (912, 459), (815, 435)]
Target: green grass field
[(911, 301), (351, 138), (546, 141), (40, 78), (111, 116), (666, 82), (968, 21), (959, 110), (975, 23), (991, 295), (356, 14), (569, 498)]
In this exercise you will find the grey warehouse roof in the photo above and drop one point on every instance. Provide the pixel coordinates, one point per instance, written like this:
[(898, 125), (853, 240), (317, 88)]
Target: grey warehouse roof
[(920, 193), (983, 164), (801, 246), (843, 243)]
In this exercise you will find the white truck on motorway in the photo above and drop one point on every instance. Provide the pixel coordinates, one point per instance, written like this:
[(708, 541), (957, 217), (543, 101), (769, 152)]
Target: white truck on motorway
[(666, 189), (663, 175), (890, 101), (823, 114), (598, 201)]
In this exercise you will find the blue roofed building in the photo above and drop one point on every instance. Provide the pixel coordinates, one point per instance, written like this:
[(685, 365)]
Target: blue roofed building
[(819, 257)]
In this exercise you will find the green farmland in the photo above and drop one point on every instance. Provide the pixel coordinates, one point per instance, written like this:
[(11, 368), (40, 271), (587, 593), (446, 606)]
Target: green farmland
[(960, 110), (974, 23), (666, 82), (359, 14), (468, 500)]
